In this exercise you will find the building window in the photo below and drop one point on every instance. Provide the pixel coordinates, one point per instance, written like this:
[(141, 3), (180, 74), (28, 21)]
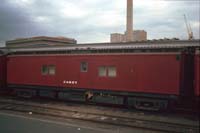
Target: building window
[(84, 66), (112, 71), (52, 70), (44, 70), (102, 71)]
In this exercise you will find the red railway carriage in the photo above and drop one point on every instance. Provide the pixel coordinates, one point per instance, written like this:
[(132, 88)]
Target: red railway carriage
[(197, 73), (148, 73), (141, 74), (2, 72)]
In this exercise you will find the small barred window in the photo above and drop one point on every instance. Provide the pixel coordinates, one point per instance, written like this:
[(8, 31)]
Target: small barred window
[(84, 66)]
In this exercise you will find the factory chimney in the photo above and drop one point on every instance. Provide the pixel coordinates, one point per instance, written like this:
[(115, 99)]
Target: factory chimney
[(129, 22)]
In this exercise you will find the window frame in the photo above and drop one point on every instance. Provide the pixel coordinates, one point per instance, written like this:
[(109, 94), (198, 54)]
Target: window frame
[(54, 69), (47, 70), (44, 70), (99, 71), (109, 71)]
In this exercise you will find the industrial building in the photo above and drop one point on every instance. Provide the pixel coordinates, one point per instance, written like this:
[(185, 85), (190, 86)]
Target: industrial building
[(130, 35), (40, 41), (138, 35)]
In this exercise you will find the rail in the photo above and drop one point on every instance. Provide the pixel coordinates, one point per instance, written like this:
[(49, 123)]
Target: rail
[(150, 125)]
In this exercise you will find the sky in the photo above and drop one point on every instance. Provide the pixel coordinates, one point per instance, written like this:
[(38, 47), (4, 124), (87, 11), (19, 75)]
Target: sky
[(90, 21)]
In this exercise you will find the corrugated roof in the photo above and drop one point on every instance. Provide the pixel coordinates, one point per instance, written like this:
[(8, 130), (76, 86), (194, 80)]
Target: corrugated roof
[(112, 46)]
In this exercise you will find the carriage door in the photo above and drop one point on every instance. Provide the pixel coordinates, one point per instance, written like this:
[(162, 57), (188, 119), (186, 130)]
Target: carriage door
[(187, 73), (3, 72)]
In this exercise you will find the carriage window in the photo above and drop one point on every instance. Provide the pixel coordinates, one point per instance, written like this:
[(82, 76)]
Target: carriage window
[(102, 71), (112, 71), (52, 70), (84, 66), (44, 70)]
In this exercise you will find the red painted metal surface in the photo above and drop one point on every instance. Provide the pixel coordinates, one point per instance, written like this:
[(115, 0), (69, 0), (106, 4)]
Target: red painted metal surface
[(197, 74), (148, 73), (2, 72)]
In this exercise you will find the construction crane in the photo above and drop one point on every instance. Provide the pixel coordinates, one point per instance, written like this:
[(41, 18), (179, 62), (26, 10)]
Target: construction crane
[(189, 29)]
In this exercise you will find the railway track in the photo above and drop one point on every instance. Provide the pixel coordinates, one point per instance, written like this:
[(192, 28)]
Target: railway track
[(150, 125)]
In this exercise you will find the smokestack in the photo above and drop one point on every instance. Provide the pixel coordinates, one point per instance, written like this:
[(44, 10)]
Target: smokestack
[(129, 23)]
